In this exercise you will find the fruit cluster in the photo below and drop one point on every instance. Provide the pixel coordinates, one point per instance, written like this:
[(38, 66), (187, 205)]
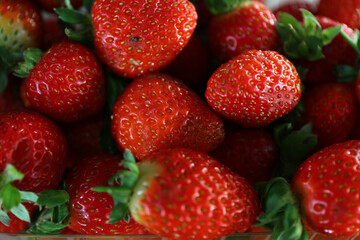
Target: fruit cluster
[(184, 119)]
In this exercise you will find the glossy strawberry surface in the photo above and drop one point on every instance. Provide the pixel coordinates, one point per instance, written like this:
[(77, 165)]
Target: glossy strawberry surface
[(20, 24), (327, 189), (188, 195), (90, 210), (255, 88), (67, 84), (136, 37), (157, 111), (250, 26), (35, 146)]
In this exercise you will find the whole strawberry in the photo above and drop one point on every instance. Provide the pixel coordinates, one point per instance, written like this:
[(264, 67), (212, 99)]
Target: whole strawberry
[(341, 11), (157, 111), (35, 146), (326, 187), (136, 37), (255, 88), (67, 83), (250, 25), (332, 110), (90, 210)]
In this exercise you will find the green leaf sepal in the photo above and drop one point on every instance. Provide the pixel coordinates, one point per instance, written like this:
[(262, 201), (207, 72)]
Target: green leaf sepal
[(8, 60), (121, 187), (217, 7), (31, 57), (305, 40), (281, 211)]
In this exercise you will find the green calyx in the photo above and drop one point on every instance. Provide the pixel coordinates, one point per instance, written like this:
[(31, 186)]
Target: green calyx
[(304, 40), (121, 187), (11, 198), (8, 60), (31, 57), (78, 24), (281, 212), (217, 7)]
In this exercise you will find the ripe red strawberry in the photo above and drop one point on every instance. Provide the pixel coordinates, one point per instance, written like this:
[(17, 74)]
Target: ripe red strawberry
[(157, 111), (136, 37), (255, 88), (90, 210), (183, 194), (344, 12), (67, 84), (293, 8), (332, 109), (35, 146), (21, 25), (50, 5), (326, 186), (251, 153), (250, 26)]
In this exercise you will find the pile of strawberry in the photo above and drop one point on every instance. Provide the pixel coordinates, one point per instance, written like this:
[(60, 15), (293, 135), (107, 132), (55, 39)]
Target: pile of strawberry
[(184, 119)]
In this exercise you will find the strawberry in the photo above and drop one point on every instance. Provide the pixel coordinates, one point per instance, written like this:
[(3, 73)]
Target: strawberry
[(293, 8), (35, 146), (50, 5), (67, 83), (255, 88), (331, 108), (183, 194), (251, 25), (251, 153), (136, 37), (90, 210), (340, 11), (326, 188), (16, 225), (157, 111)]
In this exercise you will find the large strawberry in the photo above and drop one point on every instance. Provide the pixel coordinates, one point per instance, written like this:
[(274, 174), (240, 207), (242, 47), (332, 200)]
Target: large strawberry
[(136, 37), (182, 194), (67, 83), (157, 111), (255, 88), (341, 11), (90, 211), (248, 25), (332, 110), (326, 187)]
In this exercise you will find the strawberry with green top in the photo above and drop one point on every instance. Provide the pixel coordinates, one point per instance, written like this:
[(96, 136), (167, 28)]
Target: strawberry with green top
[(157, 111), (255, 88), (240, 26), (67, 83), (183, 194)]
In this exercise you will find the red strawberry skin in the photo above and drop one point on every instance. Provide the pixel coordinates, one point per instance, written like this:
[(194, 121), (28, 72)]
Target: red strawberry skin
[(67, 84), (16, 225), (255, 88), (136, 37), (345, 12), (251, 153), (327, 189), (251, 26), (293, 8), (21, 24), (189, 195), (157, 111), (90, 210), (332, 110), (35, 146)]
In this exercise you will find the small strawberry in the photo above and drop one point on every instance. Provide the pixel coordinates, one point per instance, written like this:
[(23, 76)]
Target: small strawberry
[(135, 37), (344, 12), (327, 189), (182, 194), (50, 5), (251, 153), (293, 8), (332, 109), (255, 88), (248, 25), (90, 211), (67, 83), (157, 111)]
